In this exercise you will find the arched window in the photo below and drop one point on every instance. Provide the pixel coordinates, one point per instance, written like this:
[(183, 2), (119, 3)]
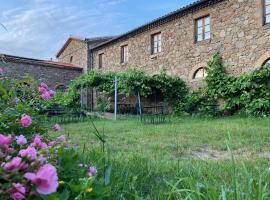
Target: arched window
[(60, 88), (266, 63), (200, 73), (71, 59)]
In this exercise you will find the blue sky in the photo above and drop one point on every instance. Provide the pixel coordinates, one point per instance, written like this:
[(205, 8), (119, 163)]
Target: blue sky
[(38, 28)]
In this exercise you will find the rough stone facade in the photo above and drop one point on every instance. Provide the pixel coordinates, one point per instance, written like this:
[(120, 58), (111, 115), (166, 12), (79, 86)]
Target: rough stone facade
[(54, 74), (237, 32), (74, 52)]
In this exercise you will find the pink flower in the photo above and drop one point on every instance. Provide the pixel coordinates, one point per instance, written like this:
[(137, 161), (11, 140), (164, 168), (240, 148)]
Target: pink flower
[(17, 196), (37, 141), (62, 138), (42, 90), (57, 127), (10, 150), (13, 165), (52, 93), (92, 171), (52, 143), (45, 179), (5, 141), (44, 146), (21, 140), (44, 85), (45, 96), (18, 191), (26, 121), (30, 151)]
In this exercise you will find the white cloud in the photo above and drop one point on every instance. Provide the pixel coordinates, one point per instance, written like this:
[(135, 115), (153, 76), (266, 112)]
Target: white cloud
[(40, 29)]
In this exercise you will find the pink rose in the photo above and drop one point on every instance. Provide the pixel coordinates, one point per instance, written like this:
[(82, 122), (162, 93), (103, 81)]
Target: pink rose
[(45, 96), (26, 121), (37, 141), (21, 140), (57, 127), (5, 141), (44, 146), (30, 151), (17, 196), (46, 179), (13, 165), (62, 138)]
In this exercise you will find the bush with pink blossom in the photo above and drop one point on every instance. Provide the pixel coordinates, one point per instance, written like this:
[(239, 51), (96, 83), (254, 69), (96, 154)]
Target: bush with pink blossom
[(34, 165)]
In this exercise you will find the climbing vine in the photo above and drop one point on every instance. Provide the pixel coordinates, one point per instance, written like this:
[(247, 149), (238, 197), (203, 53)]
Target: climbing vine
[(248, 93)]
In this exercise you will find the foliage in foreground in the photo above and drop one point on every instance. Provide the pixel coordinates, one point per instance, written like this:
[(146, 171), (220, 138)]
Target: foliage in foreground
[(32, 164)]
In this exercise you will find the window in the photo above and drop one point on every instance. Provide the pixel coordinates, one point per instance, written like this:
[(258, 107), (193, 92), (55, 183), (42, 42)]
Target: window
[(200, 73), (71, 59), (124, 54), (100, 60), (266, 63), (266, 7), (156, 43), (203, 29)]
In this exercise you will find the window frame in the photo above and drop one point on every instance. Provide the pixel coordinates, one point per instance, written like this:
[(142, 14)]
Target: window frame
[(100, 60), (265, 14), (124, 54), (203, 19), (196, 72), (156, 45)]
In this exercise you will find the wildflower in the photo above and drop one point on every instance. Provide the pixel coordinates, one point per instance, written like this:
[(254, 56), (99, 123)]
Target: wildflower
[(44, 85), (57, 127), (61, 182), (42, 90), (92, 171), (21, 140), (62, 138), (17, 100), (5, 141), (51, 93), (88, 190), (26, 121), (46, 179), (30, 151), (45, 96), (13, 165)]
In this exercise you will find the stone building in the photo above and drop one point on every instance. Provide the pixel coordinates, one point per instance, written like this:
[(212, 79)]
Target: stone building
[(75, 50), (56, 74), (183, 41)]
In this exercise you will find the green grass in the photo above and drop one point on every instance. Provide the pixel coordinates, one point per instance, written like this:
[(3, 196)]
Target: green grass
[(177, 139), (158, 161)]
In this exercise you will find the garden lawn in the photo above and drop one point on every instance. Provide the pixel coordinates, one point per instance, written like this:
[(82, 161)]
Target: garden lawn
[(181, 138), (184, 159)]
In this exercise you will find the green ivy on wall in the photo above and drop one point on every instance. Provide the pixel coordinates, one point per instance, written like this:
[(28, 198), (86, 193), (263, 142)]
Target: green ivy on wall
[(248, 93)]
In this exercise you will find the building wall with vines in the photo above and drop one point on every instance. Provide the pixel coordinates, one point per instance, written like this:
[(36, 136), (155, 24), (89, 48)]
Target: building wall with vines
[(237, 32)]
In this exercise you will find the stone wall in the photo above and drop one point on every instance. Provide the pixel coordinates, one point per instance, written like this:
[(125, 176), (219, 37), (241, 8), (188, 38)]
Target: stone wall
[(78, 50), (237, 32), (52, 75)]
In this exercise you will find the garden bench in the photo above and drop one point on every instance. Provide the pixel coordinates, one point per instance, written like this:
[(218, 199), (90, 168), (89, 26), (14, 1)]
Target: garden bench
[(155, 115)]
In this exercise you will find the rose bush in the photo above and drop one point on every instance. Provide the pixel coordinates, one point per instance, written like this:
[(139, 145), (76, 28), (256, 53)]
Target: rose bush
[(34, 165)]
